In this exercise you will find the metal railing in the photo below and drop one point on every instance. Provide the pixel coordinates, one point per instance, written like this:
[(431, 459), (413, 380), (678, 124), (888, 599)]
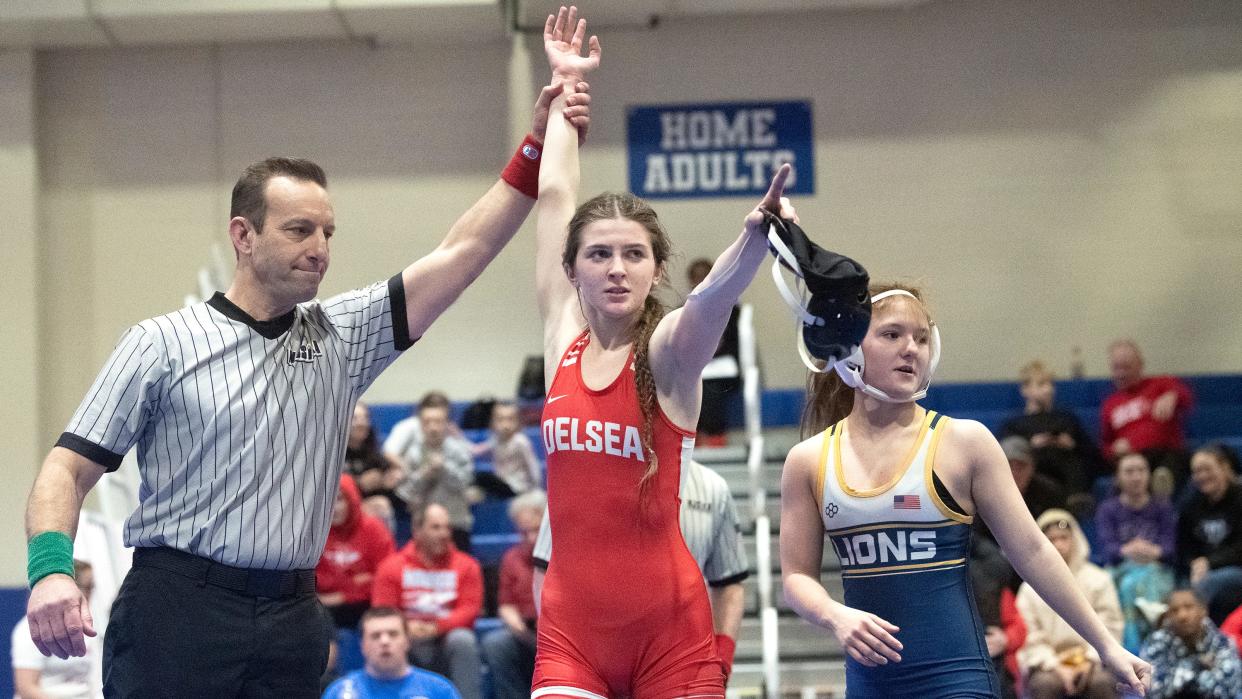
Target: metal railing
[(753, 418)]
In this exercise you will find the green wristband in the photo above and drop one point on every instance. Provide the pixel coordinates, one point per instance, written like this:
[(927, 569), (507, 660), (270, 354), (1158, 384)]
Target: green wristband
[(48, 553)]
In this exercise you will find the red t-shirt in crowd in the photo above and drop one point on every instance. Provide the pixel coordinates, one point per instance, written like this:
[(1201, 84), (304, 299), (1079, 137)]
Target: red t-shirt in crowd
[(1127, 414), (447, 591)]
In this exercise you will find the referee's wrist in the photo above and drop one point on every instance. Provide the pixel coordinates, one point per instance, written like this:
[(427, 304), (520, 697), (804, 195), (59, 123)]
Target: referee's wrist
[(48, 553)]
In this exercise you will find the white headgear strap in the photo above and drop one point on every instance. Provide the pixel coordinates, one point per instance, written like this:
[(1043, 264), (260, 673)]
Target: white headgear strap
[(796, 298)]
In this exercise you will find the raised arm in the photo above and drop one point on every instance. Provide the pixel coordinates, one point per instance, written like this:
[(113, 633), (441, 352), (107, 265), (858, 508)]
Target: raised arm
[(997, 499), (434, 282), (558, 181), (58, 612), (866, 637), (685, 340)]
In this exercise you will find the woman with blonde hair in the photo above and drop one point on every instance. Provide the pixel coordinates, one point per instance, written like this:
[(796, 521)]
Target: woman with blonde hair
[(894, 488)]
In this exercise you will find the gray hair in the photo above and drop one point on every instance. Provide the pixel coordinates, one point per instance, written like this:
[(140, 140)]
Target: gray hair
[(535, 500)]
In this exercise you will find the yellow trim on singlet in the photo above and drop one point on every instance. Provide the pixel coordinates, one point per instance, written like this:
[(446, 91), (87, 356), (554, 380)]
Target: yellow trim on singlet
[(822, 468), (885, 487), (929, 465), (911, 566), (890, 525)]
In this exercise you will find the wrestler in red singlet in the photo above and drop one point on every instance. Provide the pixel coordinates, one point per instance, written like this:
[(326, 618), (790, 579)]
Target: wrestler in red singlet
[(625, 610)]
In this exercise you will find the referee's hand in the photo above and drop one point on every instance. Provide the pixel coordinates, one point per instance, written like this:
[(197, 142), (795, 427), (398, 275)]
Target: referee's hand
[(59, 615)]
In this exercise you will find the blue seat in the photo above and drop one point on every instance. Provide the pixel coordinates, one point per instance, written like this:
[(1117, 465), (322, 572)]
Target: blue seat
[(349, 651)]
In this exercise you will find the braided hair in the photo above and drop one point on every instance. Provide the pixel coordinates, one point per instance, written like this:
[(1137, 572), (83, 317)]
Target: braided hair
[(626, 206)]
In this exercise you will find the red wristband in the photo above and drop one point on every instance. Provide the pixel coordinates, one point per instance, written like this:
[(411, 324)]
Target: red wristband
[(725, 648), (522, 172)]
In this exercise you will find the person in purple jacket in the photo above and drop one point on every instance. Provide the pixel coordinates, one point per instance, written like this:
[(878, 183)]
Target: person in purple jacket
[(1136, 532)]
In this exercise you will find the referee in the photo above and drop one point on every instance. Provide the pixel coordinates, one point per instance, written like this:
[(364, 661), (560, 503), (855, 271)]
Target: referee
[(240, 410), (710, 526)]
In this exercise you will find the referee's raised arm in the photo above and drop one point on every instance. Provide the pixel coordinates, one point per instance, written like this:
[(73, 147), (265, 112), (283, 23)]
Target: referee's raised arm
[(58, 612), (433, 282)]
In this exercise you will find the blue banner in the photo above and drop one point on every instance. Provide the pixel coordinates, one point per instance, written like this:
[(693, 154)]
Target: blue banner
[(719, 150)]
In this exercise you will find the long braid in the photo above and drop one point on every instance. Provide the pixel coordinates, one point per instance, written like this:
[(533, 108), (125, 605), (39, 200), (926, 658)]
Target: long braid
[(644, 380)]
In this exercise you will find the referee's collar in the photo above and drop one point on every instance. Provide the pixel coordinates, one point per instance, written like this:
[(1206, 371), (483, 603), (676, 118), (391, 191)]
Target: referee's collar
[(270, 329)]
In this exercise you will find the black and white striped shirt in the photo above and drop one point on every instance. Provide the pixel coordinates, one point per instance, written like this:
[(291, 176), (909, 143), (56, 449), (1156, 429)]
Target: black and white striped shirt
[(709, 524), (241, 425)]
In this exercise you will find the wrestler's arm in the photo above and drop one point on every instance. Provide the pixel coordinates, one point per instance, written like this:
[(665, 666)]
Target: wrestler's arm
[(997, 500), (866, 637), (559, 177), (686, 339)]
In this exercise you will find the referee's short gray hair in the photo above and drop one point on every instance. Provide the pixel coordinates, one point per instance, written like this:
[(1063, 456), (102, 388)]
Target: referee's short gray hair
[(535, 500)]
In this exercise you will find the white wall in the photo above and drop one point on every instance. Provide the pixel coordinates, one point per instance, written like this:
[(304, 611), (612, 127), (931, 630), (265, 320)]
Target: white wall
[(20, 445), (1056, 176)]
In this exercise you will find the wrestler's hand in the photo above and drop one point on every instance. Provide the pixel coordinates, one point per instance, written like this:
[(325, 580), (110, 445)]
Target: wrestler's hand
[(59, 615), (773, 202), (1132, 673), (562, 43), (866, 637)]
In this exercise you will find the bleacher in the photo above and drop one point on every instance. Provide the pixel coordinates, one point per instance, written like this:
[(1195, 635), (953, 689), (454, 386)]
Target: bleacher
[(811, 662)]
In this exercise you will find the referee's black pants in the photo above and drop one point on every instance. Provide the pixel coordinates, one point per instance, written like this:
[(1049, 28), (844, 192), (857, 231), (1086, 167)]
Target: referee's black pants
[(184, 627)]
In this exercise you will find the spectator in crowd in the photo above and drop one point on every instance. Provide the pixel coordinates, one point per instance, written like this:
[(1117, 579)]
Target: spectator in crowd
[(440, 467), (1056, 661), (1190, 657), (1004, 631), (364, 460), (406, 441), (1136, 534), (514, 464), (510, 650), (387, 673), (722, 376), (1145, 413), (1209, 531), (1061, 446), (357, 543), (440, 591), (36, 676), (1039, 492)]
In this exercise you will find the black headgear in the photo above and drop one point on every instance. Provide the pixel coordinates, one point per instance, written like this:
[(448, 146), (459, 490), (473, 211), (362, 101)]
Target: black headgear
[(835, 318)]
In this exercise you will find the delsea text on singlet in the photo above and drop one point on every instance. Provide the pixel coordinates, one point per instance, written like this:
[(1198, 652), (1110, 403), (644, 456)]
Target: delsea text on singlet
[(569, 434)]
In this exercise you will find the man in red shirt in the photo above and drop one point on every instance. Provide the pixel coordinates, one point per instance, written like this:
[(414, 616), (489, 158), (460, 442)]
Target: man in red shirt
[(357, 543), (510, 651), (1146, 413), (440, 590)]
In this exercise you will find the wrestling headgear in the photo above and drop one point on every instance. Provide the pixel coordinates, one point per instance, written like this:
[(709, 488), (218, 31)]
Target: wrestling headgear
[(834, 319)]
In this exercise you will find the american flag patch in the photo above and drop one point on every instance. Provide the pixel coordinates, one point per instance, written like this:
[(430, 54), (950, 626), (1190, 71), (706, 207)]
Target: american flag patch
[(905, 502)]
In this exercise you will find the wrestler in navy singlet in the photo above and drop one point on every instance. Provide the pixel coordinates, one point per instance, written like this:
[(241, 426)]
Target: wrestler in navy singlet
[(904, 554)]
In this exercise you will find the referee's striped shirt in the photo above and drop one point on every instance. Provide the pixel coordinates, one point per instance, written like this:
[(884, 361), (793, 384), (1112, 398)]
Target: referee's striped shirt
[(709, 524), (240, 424)]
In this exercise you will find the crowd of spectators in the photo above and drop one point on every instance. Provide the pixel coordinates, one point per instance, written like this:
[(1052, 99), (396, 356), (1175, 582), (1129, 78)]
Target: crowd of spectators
[(1160, 515)]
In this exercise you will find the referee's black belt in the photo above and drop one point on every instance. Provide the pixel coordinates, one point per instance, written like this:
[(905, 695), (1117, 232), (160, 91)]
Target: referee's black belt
[(253, 582)]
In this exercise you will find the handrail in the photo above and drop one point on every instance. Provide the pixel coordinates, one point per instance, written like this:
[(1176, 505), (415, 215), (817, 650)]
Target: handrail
[(752, 414)]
